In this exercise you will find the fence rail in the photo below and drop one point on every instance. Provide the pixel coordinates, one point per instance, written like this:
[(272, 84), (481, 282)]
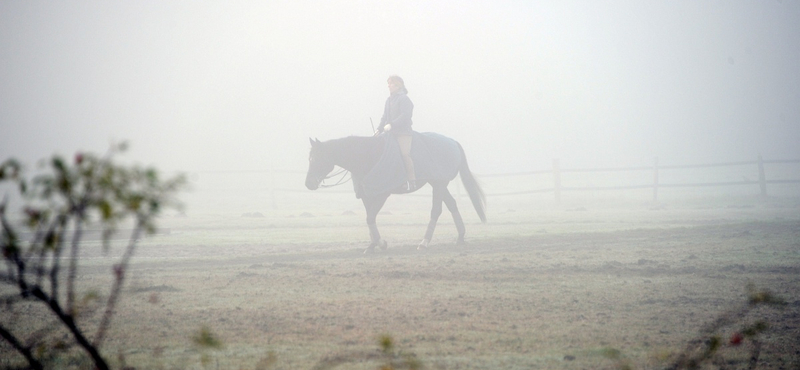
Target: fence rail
[(559, 185)]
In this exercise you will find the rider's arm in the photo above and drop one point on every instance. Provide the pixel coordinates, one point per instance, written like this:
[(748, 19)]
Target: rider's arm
[(384, 118)]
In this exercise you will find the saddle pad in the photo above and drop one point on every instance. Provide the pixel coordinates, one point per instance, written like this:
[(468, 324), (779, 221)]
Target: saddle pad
[(435, 156)]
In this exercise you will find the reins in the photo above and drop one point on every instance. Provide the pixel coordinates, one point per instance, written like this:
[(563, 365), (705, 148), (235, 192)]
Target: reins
[(342, 180)]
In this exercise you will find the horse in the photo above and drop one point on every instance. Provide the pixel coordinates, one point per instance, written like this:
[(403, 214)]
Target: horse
[(373, 162)]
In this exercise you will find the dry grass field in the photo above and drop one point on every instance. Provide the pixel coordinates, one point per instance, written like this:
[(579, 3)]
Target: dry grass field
[(555, 288)]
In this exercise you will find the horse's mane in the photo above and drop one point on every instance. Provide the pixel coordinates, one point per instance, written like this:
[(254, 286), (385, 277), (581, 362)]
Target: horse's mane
[(352, 140)]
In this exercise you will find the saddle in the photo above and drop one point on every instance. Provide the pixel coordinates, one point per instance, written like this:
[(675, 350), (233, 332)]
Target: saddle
[(435, 156)]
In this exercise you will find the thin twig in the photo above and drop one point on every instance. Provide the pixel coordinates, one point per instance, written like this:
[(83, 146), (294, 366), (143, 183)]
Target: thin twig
[(73, 263), (39, 238), (119, 278), (62, 221)]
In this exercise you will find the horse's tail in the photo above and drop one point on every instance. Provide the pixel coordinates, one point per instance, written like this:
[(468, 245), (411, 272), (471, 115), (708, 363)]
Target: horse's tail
[(473, 188)]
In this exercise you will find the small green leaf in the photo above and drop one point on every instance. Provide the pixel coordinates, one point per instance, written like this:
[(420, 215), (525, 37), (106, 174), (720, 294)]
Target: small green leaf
[(91, 295), (387, 343), (152, 175), (755, 329), (611, 353), (58, 164), (51, 240), (713, 345), (106, 210), (154, 206), (206, 339)]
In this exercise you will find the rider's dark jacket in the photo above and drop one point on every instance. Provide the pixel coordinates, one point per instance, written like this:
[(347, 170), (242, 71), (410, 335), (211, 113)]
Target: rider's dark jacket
[(397, 112)]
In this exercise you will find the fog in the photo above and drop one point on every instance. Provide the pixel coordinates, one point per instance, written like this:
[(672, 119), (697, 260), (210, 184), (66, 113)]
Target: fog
[(209, 86), (226, 91)]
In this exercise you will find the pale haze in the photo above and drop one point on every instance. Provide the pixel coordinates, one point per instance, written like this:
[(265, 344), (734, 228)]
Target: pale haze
[(210, 86)]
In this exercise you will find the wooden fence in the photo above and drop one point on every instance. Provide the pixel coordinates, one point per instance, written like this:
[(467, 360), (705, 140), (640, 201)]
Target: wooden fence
[(268, 183), (558, 186)]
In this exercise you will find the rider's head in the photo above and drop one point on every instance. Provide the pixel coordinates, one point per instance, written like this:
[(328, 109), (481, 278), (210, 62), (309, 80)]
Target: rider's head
[(396, 84)]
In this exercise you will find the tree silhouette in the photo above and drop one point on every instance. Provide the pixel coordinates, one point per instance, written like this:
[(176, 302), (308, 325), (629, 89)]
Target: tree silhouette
[(41, 249)]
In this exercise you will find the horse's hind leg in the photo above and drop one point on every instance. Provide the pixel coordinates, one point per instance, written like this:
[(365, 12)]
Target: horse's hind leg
[(373, 206), (450, 202), (436, 211)]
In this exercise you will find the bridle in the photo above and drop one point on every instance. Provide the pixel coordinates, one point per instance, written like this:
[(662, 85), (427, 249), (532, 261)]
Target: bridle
[(320, 181), (341, 180)]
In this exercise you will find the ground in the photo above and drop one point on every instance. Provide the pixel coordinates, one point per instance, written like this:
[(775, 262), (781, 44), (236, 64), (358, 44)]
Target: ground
[(560, 288)]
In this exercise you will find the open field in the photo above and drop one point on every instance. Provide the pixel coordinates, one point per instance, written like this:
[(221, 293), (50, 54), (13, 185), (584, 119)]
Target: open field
[(544, 288)]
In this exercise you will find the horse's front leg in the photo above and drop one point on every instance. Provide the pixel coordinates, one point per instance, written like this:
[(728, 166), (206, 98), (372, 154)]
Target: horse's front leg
[(436, 211), (373, 206)]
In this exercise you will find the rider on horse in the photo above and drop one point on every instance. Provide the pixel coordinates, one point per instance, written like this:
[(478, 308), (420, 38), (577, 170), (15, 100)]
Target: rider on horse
[(396, 121), (377, 172)]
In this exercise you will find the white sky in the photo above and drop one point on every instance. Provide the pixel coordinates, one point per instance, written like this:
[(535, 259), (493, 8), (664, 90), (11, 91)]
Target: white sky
[(220, 85)]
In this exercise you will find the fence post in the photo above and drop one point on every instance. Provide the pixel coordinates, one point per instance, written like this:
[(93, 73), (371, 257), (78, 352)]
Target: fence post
[(655, 179), (557, 180), (762, 178)]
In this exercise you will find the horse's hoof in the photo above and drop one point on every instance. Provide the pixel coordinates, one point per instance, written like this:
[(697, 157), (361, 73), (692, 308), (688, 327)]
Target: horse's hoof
[(383, 244), (461, 241), (369, 250), (423, 244)]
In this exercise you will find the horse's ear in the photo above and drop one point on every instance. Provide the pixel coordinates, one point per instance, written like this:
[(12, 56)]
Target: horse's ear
[(317, 140), (312, 141)]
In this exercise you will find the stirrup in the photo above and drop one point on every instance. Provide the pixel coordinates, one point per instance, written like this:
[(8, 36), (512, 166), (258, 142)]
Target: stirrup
[(411, 185)]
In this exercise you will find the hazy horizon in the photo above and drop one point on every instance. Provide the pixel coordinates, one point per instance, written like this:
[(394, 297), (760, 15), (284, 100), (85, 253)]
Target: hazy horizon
[(204, 86)]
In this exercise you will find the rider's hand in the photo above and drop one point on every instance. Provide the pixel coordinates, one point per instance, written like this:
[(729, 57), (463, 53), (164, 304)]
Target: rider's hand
[(387, 127)]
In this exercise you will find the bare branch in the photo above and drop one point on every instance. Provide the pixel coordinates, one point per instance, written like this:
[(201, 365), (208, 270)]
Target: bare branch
[(40, 239), (62, 229), (69, 322), (90, 186), (73, 263), (25, 351), (119, 278)]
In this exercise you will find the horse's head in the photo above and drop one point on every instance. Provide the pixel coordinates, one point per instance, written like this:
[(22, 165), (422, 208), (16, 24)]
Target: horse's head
[(320, 164)]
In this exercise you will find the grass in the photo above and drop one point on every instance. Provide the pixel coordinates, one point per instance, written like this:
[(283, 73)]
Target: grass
[(555, 287)]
